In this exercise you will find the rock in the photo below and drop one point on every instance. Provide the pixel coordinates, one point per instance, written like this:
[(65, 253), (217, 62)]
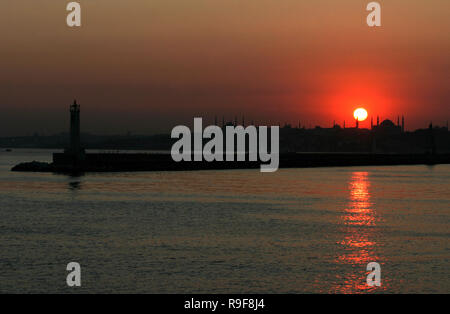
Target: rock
[(34, 166)]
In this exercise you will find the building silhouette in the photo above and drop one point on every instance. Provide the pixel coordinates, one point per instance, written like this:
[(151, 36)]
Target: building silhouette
[(382, 137), (388, 127)]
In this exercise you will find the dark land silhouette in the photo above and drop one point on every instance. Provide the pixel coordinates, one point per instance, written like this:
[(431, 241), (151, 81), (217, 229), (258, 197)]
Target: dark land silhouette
[(385, 143)]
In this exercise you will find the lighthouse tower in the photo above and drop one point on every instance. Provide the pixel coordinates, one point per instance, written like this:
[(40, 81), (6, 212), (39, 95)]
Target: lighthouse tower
[(75, 142)]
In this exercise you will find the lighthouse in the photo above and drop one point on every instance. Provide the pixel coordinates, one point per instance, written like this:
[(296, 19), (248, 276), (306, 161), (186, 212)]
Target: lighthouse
[(75, 150)]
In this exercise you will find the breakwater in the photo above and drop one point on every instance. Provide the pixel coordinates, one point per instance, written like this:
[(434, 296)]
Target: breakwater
[(117, 162)]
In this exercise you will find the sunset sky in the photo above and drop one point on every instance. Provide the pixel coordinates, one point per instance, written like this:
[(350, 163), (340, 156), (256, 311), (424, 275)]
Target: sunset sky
[(147, 65)]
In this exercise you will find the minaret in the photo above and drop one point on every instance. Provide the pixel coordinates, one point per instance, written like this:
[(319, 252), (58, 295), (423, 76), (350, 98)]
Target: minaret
[(403, 124), (371, 123), (378, 120)]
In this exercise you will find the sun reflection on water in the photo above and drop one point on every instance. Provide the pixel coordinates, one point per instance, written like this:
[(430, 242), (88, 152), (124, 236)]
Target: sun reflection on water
[(359, 244)]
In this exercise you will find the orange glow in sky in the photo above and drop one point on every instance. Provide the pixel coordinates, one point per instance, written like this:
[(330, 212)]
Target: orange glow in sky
[(146, 66)]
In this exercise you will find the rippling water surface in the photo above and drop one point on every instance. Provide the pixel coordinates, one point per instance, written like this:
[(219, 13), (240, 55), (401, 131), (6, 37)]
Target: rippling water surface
[(293, 231)]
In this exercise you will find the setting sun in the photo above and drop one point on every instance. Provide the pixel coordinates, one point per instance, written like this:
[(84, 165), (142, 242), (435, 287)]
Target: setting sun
[(360, 114)]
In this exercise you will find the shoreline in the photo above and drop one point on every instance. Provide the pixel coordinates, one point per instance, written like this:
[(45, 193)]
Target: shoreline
[(116, 162)]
